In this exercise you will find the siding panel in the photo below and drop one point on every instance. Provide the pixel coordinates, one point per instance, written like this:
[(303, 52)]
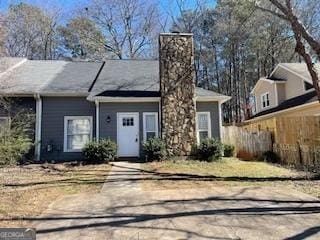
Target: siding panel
[(213, 108), (109, 130), (54, 109)]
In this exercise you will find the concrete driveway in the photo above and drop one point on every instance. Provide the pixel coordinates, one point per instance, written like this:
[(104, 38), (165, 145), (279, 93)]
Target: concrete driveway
[(123, 210)]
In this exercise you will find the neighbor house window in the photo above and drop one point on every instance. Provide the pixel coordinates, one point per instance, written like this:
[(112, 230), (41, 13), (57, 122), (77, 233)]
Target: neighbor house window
[(150, 125), (77, 132), (203, 126), (265, 101)]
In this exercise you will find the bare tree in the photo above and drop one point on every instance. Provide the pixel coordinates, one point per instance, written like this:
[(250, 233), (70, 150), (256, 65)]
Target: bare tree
[(83, 39), (129, 26), (30, 32), (285, 10), (2, 36)]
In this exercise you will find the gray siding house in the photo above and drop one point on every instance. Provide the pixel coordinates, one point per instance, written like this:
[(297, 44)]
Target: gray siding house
[(124, 100)]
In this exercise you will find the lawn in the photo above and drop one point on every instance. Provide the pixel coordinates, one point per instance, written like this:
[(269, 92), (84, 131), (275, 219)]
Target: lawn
[(228, 172), (28, 190)]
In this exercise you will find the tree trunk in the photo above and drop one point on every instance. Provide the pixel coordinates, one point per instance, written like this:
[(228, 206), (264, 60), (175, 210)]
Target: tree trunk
[(300, 48)]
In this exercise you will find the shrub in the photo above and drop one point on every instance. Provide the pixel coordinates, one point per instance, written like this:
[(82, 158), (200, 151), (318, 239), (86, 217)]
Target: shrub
[(13, 147), (210, 150), (270, 156), (103, 151), (228, 150), (16, 134), (154, 149)]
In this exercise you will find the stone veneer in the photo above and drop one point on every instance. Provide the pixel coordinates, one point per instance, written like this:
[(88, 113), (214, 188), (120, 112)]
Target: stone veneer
[(177, 84)]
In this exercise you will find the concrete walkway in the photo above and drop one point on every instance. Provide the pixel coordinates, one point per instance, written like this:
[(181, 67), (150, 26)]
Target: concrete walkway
[(123, 210)]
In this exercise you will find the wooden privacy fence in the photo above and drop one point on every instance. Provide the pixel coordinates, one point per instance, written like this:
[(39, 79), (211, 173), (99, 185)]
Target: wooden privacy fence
[(248, 145), (290, 130), (296, 139), (300, 156)]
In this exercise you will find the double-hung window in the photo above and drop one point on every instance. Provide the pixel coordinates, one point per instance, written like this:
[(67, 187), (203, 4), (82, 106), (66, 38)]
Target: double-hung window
[(150, 125), (265, 101), (203, 126), (77, 132)]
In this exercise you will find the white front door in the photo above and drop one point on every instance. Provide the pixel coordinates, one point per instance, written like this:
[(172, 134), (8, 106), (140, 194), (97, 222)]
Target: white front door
[(128, 134)]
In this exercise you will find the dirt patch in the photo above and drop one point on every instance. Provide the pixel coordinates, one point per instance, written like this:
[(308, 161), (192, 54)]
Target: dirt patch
[(28, 190)]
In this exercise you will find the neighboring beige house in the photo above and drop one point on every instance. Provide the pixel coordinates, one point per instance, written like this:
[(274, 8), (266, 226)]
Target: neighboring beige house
[(288, 91)]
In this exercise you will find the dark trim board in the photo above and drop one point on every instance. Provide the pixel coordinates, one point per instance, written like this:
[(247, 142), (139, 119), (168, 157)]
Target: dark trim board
[(123, 93)]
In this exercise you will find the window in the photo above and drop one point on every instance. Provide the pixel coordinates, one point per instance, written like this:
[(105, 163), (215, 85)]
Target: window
[(127, 121), (77, 132), (203, 126), (265, 101), (150, 125), (308, 86)]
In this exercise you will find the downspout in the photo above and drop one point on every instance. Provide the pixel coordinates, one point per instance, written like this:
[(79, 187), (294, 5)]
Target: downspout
[(37, 149), (160, 119), (220, 119), (97, 119), (195, 98)]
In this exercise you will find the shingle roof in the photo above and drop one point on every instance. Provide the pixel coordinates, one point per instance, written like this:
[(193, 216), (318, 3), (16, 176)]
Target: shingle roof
[(127, 75), (50, 77), (8, 62), (201, 92), (290, 103), (114, 78), (132, 77)]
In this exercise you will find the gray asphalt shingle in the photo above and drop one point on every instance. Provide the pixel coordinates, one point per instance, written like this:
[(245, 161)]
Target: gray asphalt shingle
[(134, 75), (63, 77), (8, 62), (50, 77)]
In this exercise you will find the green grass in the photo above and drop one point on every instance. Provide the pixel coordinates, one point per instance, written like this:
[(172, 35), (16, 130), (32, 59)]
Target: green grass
[(227, 167), (231, 172)]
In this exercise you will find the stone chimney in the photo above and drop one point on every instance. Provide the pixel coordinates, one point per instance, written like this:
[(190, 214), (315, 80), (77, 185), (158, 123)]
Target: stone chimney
[(177, 85)]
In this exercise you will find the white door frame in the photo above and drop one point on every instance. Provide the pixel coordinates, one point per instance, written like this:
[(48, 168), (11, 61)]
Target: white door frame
[(138, 126)]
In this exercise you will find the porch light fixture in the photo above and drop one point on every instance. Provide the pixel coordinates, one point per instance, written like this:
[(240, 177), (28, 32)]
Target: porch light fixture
[(108, 120)]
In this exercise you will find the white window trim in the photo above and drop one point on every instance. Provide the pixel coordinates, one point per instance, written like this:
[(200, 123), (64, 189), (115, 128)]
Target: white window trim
[(145, 114), (65, 139), (209, 125), (262, 95)]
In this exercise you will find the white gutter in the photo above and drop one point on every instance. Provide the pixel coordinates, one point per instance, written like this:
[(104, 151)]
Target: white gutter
[(97, 120), (221, 99), (282, 111), (38, 126), (125, 99)]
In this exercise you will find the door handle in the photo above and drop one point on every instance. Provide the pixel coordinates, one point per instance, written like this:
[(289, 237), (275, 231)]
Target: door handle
[(136, 139)]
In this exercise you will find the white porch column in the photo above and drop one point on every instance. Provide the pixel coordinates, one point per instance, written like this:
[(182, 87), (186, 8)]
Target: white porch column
[(220, 119), (37, 152), (97, 119)]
